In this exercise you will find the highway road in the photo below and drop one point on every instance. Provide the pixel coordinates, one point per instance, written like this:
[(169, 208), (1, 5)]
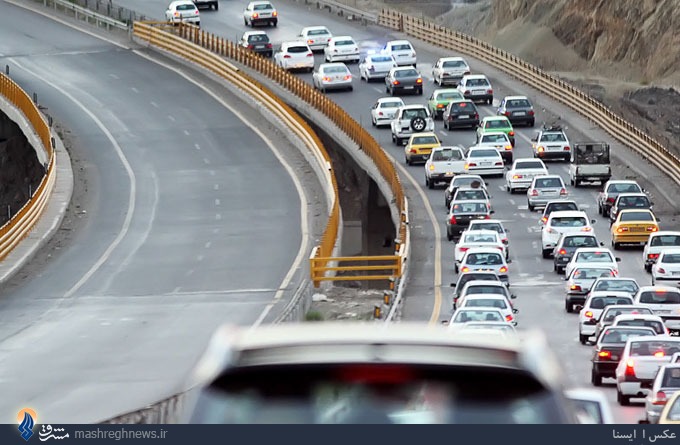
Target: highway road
[(179, 190), (540, 290)]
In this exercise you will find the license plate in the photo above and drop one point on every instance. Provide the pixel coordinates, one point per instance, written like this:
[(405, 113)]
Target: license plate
[(520, 113), (408, 88), (662, 312), (637, 229), (264, 14), (259, 46), (464, 116), (554, 148), (549, 192), (615, 357), (485, 164), (477, 93)]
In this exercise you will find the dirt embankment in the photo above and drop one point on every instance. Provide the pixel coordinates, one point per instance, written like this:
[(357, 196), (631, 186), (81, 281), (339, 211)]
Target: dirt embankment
[(20, 170)]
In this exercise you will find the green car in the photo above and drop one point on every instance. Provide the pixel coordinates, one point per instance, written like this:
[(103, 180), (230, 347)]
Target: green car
[(496, 124), (439, 100)]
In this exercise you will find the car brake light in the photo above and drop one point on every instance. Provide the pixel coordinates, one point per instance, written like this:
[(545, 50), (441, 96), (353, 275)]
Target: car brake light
[(630, 370), (326, 79), (419, 81), (605, 354), (659, 354), (622, 229), (516, 176), (661, 270), (589, 314), (467, 92), (505, 241), (587, 229), (610, 200), (487, 217), (531, 112), (659, 398), (255, 15), (380, 113), (512, 133), (470, 164), (652, 256), (499, 163), (476, 116), (413, 150), (575, 287), (507, 113), (508, 318), (465, 269), (286, 56), (503, 269), (563, 192), (489, 91), (652, 229), (563, 252), (348, 77), (567, 148), (250, 47), (274, 14), (463, 249), (310, 41), (176, 14), (439, 105), (310, 54), (452, 220), (396, 82), (269, 45), (534, 192), (508, 147)]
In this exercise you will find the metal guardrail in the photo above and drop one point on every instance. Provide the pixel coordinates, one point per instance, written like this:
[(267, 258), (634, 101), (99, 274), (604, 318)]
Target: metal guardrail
[(218, 47), (20, 225), (343, 10), (89, 15), (640, 142)]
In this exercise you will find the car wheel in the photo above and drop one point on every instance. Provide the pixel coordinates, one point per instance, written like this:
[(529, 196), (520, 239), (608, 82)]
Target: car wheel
[(577, 183), (532, 123), (595, 378), (531, 207), (545, 253), (449, 237), (430, 184), (653, 282), (420, 92), (622, 399), (560, 270), (216, 6), (568, 307), (375, 124), (489, 101), (583, 339), (407, 161), (245, 22), (351, 88), (616, 245), (507, 188), (648, 268), (455, 267)]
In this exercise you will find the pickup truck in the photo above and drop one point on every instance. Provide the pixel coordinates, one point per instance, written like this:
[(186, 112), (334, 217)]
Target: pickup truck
[(589, 162), (611, 190), (444, 163)]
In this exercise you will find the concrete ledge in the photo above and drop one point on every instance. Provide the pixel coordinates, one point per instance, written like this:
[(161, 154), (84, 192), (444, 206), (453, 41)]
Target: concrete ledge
[(54, 212)]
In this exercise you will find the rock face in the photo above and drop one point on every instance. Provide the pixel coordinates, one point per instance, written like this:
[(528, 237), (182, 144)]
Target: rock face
[(641, 34)]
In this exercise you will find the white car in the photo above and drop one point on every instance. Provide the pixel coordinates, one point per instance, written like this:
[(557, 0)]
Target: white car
[(663, 301), (376, 66), (466, 315), (317, 37), (666, 270), (559, 223), (499, 302), (483, 287), (402, 51), (544, 189), (497, 140), (450, 70), (592, 256), (523, 172), (443, 164), (184, 11), (641, 320), (487, 327), (295, 56), (470, 239), (485, 259), (476, 87), (384, 109), (484, 162), (260, 12), (641, 359), (593, 307), (658, 241), (493, 224), (342, 48), (332, 76), (409, 120), (590, 404)]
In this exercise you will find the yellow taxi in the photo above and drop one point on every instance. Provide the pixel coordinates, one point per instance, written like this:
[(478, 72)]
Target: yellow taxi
[(419, 147), (633, 226)]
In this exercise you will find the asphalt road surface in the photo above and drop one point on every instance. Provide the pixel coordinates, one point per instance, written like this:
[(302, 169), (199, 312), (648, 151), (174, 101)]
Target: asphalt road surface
[(179, 190), (540, 291)]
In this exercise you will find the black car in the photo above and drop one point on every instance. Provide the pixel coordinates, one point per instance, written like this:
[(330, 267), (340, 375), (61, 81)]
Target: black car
[(402, 79), (609, 347), (258, 42), (567, 245), (460, 114), (518, 110), (459, 181), (462, 212), (629, 201)]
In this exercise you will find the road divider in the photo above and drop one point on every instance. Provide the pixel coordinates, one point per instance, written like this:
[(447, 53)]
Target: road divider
[(640, 142), (23, 221)]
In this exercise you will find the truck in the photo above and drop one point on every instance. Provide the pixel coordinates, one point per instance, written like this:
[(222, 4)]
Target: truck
[(589, 163)]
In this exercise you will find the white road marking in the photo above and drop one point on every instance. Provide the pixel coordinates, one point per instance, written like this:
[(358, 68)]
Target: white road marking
[(199, 258), (172, 118), (197, 147), (176, 290), (378, 89), (190, 272), (212, 172), (135, 90), (186, 132), (216, 187), (217, 202), (154, 104), (128, 169), (206, 161), (208, 244), (218, 216), (512, 201), (114, 76), (216, 231), (522, 207)]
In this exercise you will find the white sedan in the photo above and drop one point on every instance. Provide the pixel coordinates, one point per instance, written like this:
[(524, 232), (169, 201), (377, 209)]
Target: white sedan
[(317, 37), (376, 66), (592, 256), (332, 76), (666, 270), (522, 173), (593, 308), (184, 11), (477, 238), (384, 109), (341, 48), (466, 315), (499, 302), (484, 162)]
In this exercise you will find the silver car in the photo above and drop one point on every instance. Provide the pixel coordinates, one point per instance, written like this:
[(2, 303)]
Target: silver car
[(544, 189), (332, 76), (580, 281), (666, 383)]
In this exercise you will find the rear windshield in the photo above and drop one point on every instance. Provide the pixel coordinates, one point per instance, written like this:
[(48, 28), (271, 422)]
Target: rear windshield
[(658, 348), (262, 7), (476, 276), (484, 154), (461, 182), (602, 302), (636, 216), (553, 137), (665, 240), (487, 226), (623, 188), (486, 302), (497, 123), (495, 138), (484, 259), (395, 104), (529, 164), (518, 103), (344, 42), (622, 335), (660, 297), (548, 183), (470, 207), (470, 194), (424, 140), (589, 274), (401, 47), (258, 38), (298, 49), (414, 112), (656, 325), (447, 155), (463, 106), (561, 207), (381, 59), (448, 95), (617, 285), (406, 73), (478, 315), (594, 257), (454, 64), (477, 83), (481, 289), (475, 238), (671, 378), (670, 258), (634, 201), (613, 313), (185, 7), (569, 221), (317, 32), (335, 69), (580, 241)]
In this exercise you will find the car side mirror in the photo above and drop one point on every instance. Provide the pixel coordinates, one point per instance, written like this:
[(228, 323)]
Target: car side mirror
[(509, 261), (515, 311), (534, 139), (565, 279), (453, 285), (492, 212), (651, 204), (513, 296), (593, 221), (618, 260), (514, 323), (445, 322), (601, 244), (578, 307), (658, 220)]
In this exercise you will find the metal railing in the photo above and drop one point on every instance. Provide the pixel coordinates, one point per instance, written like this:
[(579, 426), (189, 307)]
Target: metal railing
[(208, 50), (87, 12), (639, 141), (343, 10), (20, 225)]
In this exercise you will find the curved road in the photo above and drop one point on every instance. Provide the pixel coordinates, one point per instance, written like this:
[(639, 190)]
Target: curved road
[(179, 188), (539, 289)]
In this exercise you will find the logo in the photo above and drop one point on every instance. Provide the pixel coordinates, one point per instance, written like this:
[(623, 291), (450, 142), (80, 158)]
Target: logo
[(26, 418)]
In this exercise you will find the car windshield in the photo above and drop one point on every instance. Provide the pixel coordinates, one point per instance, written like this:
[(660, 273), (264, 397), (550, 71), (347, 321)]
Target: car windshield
[(262, 7), (497, 123), (529, 164), (548, 183), (411, 113), (394, 104), (484, 154), (298, 49), (378, 59), (477, 83), (447, 155), (490, 138), (462, 182), (616, 285), (401, 47), (561, 207), (469, 194), (591, 274), (660, 296), (656, 348), (594, 257), (482, 289), (484, 259), (665, 240), (611, 314), (579, 241), (518, 103), (406, 73), (569, 221), (317, 32), (185, 7), (671, 378), (634, 201), (478, 315), (624, 188), (448, 95), (621, 336), (470, 207), (486, 302), (463, 106), (636, 216), (344, 42), (553, 137), (454, 64), (658, 326), (417, 140), (603, 302), (476, 238), (670, 258), (335, 69)]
